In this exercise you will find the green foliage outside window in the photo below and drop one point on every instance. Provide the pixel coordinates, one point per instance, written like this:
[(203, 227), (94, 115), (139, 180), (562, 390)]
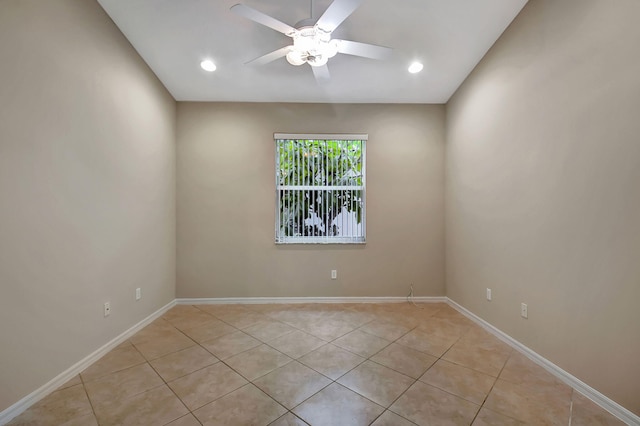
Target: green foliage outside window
[(317, 181)]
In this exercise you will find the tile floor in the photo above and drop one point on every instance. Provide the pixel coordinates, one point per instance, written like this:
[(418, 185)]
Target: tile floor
[(317, 364)]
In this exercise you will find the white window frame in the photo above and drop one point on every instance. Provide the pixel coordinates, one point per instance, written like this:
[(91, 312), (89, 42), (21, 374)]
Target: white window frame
[(357, 237)]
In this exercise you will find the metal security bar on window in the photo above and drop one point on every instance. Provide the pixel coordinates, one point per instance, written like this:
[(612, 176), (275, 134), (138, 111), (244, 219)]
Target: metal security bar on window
[(320, 188)]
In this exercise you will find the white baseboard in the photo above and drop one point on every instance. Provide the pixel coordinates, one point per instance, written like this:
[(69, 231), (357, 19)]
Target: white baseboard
[(44, 390), (277, 300), (606, 403)]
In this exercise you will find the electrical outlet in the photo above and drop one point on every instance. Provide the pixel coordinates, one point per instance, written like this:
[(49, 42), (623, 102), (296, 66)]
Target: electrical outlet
[(523, 310), (488, 294), (334, 274), (107, 309), (138, 293)]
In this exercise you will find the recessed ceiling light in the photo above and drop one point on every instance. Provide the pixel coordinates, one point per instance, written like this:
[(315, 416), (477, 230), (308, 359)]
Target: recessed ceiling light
[(208, 65), (415, 67)]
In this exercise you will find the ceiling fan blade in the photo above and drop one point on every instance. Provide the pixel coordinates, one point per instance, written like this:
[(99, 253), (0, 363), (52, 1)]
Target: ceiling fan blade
[(365, 50), (336, 13), (321, 74), (261, 18), (270, 57)]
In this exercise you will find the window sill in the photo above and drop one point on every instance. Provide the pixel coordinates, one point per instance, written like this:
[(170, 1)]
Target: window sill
[(319, 240)]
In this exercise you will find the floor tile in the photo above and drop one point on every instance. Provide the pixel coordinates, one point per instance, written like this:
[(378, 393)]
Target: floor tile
[(331, 361), (487, 417), (206, 385), (454, 315), (404, 360), (75, 380), (585, 412), (402, 319), (219, 310), (483, 338), (268, 308), (223, 309), (155, 330), (209, 330), (348, 317), (183, 362), (246, 406), (521, 370), (188, 420), (376, 382), (267, 331), (448, 325), (387, 330), (65, 406), (85, 420), (389, 418), (257, 362), (430, 307), (243, 319), (361, 343), (485, 360), (292, 316), (458, 380), (230, 344), (179, 311), (446, 310), (289, 419), (432, 344), (292, 383), (296, 344), (115, 360), (522, 403), (157, 406), (123, 384), (165, 343), (337, 405), (326, 329), (442, 327), (184, 320), (426, 405)]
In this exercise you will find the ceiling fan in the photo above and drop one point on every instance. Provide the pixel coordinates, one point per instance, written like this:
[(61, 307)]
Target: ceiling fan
[(312, 44)]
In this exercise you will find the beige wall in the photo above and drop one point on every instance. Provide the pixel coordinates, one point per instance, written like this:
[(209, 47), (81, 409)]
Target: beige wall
[(543, 195), (226, 202), (87, 188)]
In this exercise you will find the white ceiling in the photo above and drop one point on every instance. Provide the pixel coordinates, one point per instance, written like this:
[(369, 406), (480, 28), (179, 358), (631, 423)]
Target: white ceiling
[(448, 36)]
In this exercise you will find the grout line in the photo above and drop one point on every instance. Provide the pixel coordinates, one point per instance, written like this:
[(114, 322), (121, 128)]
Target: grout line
[(167, 383), (400, 396), (93, 410), (441, 357), (573, 391), (294, 415), (492, 386), (219, 360)]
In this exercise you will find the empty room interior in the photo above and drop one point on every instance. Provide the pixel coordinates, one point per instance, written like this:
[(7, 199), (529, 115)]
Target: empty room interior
[(150, 271)]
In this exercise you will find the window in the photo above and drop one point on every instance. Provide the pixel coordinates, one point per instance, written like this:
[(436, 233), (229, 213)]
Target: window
[(320, 188)]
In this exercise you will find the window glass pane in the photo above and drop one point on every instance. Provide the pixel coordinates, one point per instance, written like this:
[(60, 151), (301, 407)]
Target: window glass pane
[(320, 187)]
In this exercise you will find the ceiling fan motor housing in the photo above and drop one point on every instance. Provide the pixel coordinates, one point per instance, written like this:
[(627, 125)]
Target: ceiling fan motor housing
[(312, 45)]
